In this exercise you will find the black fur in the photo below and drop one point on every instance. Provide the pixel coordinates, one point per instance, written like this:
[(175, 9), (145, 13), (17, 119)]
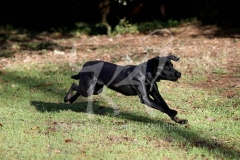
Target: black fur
[(129, 80)]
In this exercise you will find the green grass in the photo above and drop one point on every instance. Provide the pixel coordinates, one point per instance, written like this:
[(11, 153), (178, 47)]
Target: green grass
[(124, 27), (36, 124)]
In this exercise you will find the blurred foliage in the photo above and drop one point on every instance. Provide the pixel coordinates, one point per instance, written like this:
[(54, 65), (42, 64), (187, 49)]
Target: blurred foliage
[(65, 15), (125, 27)]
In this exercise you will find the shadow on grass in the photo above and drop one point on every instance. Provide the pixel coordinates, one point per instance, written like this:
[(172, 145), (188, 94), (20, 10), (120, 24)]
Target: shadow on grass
[(46, 81), (25, 41), (19, 40), (192, 139), (76, 107)]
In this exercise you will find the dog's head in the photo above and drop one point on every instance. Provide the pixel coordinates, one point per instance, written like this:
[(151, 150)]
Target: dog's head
[(162, 68)]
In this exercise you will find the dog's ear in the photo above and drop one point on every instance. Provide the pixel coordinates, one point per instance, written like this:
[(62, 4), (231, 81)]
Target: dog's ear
[(174, 58)]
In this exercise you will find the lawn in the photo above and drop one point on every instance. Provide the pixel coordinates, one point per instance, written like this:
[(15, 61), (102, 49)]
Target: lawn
[(35, 123)]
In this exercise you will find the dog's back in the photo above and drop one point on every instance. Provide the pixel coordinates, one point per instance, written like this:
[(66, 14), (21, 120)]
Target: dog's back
[(91, 66), (103, 70)]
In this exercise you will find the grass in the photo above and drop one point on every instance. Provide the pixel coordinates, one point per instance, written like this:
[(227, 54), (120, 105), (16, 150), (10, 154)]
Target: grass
[(36, 124)]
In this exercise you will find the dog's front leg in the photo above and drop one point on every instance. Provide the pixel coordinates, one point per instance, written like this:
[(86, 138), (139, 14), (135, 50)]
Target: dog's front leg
[(146, 99), (158, 98)]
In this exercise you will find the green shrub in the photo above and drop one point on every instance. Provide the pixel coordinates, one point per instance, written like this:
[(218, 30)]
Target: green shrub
[(125, 27)]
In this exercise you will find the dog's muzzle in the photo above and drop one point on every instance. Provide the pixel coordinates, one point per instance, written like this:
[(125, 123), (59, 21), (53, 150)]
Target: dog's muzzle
[(178, 74)]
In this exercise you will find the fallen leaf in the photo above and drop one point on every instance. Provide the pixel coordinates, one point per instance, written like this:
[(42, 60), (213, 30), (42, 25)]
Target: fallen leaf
[(57, 151), (1, 125), (51, 129), (35, 128), (166, 158), (45, 85), (58, 52), (211, 119), (119, 122), (68, 140), (235, 119)]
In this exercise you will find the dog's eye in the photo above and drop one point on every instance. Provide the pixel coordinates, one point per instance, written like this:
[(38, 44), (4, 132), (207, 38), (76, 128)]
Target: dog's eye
[(167, 67)]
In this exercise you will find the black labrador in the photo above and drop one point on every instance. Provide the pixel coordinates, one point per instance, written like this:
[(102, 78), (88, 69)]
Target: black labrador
[(129, 80)]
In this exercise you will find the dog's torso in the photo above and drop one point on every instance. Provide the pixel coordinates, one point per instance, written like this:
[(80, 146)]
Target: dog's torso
[(123, 79)]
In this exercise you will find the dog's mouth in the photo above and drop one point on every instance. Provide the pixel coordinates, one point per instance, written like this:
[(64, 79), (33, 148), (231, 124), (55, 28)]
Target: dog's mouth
[(169, 79), (174, 80), (176, 77)]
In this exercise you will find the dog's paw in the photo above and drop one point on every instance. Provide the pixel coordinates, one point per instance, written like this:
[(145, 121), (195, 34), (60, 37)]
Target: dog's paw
[(70, 101), (66, 98), (183, 121), (180, 121)]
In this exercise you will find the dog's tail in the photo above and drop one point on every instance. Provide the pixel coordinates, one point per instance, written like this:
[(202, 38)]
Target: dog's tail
[(76, 77)]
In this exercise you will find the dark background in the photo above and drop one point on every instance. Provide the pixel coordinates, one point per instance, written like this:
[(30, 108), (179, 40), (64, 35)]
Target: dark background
[(47, 14)]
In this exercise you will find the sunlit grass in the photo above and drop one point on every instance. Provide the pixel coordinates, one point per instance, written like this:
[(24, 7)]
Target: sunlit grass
[(36, 124)]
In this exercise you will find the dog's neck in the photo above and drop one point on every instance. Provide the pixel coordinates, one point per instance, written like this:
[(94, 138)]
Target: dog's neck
[(151, 77)]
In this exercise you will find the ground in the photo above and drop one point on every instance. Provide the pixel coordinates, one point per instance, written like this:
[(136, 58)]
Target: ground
[(35, 70), (216, 51)]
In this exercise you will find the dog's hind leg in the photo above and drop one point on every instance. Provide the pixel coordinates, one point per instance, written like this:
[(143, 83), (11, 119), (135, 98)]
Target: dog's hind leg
[(68, 96), (73, 98), (90, 91)]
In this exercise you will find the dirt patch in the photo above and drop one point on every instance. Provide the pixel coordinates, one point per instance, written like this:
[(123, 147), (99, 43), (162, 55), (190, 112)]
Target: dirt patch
[(227, 85)]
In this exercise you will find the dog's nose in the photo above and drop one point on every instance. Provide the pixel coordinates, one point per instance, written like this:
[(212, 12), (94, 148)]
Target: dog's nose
[(178, 74)]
